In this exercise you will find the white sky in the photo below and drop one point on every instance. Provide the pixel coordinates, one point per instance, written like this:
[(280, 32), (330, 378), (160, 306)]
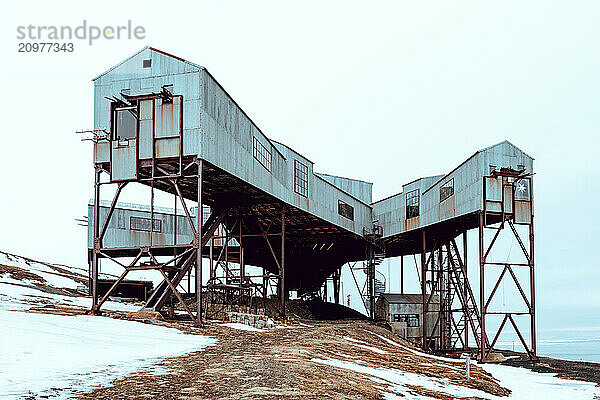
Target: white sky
[(380, 91)]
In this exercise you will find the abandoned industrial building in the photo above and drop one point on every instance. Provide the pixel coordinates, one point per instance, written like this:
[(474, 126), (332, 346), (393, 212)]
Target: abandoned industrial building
[(404, 314), (166, 123)]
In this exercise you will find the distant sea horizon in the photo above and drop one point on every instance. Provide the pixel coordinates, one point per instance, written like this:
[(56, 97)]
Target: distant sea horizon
[(574, 344)]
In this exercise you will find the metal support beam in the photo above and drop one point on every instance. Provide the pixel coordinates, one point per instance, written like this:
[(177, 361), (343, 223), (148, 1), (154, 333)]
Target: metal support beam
[(96, 243), (424, 287), (532, 290), (282, 264), (486, 300), (199, 245), (482, 309), (464, 260), (336, 286), (401, 274)]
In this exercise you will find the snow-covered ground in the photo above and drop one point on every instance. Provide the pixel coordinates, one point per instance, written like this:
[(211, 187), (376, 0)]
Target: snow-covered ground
[(47, 284), (523, 383), (243, 327), (526, 384), (56, 356)]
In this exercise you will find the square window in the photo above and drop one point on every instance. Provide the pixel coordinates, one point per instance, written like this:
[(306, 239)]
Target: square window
[(147, 63)]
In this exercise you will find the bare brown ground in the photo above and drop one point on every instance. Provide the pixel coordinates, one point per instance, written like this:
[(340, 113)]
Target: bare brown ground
[(277, 364)]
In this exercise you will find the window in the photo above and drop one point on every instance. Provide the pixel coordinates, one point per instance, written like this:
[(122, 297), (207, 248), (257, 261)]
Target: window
[(522, 190), (147, 63), (412, 320), (300, 178), (125, 123), (412, 204), (262, 154), (143, 224), (345, 210), (447, 190)]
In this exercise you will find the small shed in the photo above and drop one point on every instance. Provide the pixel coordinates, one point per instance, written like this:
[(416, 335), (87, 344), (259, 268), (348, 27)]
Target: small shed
[(404, 313)]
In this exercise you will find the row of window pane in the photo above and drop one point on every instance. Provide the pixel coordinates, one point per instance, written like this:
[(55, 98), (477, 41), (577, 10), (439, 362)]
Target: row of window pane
[(143, 224), (300, 178), (262, 154), (412, 320)]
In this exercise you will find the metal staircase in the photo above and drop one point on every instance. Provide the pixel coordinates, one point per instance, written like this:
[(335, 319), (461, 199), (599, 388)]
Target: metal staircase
[(375, 254), (470, 317)]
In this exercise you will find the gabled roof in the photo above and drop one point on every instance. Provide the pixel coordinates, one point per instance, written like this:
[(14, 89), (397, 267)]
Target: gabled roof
[(194, 65), (343, 177), (476, 153), (153, 49)]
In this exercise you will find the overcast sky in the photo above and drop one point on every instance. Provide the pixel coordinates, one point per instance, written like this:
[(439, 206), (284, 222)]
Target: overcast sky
[(381, 91)]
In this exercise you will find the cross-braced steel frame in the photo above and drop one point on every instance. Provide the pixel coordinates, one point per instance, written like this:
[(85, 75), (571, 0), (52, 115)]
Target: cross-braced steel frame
[(444, 273), (444, 279), (233, 285), (508, 270)]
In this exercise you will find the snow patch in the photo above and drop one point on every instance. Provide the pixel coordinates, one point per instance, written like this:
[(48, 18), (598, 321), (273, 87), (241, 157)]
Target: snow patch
[(526, 384), (19, 295), (243, 327), (364, 345), (416, 352), (397, 380), (59, 356)]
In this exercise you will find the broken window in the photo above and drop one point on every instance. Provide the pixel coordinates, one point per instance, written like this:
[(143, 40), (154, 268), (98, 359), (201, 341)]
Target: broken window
[(345, 210), (143, 224), (412, 204), (300, 178), (125, 123), (522, 190), (262, 154), (412, 320), (447, 190)]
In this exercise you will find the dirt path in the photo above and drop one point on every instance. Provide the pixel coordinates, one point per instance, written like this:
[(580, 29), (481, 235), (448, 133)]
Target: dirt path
[(280, 363)]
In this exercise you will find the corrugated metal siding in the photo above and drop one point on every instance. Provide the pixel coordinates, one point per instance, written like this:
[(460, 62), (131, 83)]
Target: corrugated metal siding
[(120, 234), (124, 160), (359, 189), (468, 191), (228, 143)]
